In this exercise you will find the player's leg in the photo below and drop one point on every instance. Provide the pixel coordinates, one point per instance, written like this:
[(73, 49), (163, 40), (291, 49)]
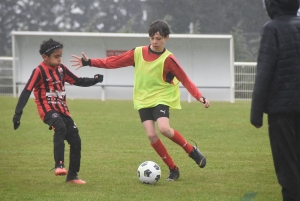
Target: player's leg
[(74, 141), (161, 113), (284, 141), (175, 136), (56, 122), (149, 125), (298, 150)]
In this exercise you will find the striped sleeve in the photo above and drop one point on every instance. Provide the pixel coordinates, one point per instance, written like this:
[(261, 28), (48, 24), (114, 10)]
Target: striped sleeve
[(33, 80), (70, 77)]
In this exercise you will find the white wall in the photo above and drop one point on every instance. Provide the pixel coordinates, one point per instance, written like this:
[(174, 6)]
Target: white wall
[(207, 59)]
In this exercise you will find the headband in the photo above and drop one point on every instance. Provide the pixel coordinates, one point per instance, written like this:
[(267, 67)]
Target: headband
[(52, 48)]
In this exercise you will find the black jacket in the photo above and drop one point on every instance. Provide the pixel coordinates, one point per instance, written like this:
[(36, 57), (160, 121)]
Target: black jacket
[(277, 81)]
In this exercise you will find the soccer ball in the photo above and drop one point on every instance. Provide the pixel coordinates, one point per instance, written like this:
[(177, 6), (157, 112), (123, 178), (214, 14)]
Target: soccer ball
[(149, 172)]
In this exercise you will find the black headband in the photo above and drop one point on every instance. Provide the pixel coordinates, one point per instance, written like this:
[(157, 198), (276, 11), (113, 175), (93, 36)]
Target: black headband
[(52, 48)]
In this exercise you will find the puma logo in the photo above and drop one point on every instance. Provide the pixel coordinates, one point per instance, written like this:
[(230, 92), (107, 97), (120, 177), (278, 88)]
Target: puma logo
[(163, 111)]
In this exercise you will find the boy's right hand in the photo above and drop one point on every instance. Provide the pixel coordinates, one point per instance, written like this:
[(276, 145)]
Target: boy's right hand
[(16, 121), (80, 61)]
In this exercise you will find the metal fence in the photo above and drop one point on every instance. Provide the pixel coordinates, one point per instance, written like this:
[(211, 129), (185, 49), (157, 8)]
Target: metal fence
[(6, 76), (244, 74)]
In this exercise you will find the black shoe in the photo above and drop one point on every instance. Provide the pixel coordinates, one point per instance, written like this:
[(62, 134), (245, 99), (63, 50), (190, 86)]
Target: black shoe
[(198, 157), (174, 174)]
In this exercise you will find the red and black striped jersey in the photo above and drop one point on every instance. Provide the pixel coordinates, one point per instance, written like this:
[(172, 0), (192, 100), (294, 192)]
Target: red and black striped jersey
[(48, 85)]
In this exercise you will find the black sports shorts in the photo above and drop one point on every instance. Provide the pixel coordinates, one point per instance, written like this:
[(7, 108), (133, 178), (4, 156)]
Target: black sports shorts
[(153, 113)]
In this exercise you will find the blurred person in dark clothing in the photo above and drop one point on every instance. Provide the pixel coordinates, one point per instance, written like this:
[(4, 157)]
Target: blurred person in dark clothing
[(277, 91)]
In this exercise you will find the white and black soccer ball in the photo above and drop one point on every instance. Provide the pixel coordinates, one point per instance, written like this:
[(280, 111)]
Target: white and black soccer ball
[(149, 172)]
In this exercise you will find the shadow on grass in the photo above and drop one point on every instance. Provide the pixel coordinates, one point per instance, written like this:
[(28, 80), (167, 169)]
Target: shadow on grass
[(249, 196)]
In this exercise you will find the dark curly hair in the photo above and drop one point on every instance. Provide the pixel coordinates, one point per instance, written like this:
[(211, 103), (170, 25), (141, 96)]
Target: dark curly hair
[(48, 46)]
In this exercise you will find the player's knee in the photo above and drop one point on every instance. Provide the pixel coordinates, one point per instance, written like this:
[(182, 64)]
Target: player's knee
[(152, 138), (73, 137), (74, 141), (165, 130), (59, 127)]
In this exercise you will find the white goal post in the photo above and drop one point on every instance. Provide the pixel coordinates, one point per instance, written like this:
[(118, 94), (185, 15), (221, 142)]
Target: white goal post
[(207, 59)]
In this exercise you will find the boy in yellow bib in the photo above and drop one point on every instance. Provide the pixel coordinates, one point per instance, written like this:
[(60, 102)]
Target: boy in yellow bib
[(157, 75)]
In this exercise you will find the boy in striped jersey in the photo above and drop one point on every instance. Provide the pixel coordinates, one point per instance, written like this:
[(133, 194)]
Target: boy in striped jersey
[(47, 82)]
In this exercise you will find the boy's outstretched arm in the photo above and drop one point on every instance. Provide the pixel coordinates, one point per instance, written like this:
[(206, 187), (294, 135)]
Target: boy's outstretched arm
[(112, 62), (86, 82)]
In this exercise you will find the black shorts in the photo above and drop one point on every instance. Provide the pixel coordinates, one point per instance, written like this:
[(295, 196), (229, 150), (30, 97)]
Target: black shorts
[(53, 115), (153, 113)]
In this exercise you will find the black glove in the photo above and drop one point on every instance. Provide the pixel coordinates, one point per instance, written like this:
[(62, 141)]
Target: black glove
[(98, 77), (86, 63), (16, 120)]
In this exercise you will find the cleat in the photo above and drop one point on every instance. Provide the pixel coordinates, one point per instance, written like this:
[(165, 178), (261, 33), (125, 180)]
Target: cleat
[(60, 170), (198, 157), (75, 180), (174, 174)]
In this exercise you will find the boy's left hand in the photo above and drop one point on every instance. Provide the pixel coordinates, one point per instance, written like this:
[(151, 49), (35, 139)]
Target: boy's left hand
[(98, 77), (205, 102)]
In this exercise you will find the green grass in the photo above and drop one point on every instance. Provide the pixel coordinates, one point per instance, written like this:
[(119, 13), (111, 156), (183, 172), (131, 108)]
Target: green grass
[(239, 162)]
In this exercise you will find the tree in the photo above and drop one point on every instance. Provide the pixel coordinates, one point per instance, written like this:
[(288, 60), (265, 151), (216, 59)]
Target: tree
[(243, 18), (68, 15)]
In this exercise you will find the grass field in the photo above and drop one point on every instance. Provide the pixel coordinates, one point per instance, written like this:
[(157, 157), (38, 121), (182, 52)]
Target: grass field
[(239, 162)]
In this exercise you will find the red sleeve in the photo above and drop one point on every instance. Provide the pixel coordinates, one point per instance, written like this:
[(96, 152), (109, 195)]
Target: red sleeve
[(172, 65), (119, 61), (33, 80)]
